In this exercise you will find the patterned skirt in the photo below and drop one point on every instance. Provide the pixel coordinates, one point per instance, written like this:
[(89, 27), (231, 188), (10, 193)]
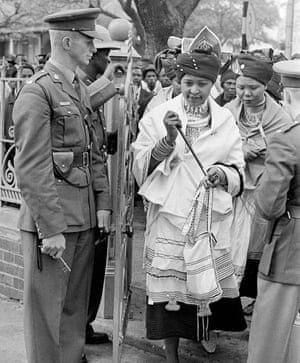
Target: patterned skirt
[(166, 283)]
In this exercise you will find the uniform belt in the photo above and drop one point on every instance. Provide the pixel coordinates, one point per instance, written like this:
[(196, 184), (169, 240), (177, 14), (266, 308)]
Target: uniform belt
[(293, 211), (81, 159)]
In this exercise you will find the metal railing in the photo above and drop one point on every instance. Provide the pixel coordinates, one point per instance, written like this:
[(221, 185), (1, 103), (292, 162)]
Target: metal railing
[(9, 191)]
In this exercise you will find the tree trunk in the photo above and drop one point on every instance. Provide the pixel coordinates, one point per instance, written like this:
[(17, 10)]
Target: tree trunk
[(161, 19)]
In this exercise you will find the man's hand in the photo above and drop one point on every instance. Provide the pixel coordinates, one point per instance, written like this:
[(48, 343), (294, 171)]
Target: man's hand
[(215, 177), (103, 218), (54, 246), (171, 122)]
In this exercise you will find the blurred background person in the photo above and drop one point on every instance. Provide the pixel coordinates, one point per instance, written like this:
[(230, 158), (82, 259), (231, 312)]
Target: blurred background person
[(166, 93), (21, 58), (11, 66), (163, 78), (41, 61), (228, 84), (25, 71), (141, 96), (150, 80), (100, 69)]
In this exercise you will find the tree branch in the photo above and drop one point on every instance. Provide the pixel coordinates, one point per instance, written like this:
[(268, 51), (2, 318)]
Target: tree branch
[(102, 10), (13, 18), (108, 13), (185, 7), (129, 9)]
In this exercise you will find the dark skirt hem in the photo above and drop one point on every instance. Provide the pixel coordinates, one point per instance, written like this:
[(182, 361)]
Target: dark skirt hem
[(227, 315)]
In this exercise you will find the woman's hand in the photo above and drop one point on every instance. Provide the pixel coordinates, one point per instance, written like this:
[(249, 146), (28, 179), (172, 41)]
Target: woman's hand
[(171, 122), (251, 151), (215, 177)]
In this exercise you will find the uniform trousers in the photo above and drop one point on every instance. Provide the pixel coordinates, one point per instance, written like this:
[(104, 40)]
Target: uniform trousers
[(97, 280), (55, 300), (274, 314)]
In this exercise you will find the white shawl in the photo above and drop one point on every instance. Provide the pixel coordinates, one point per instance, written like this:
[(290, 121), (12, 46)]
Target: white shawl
[(173, 184)]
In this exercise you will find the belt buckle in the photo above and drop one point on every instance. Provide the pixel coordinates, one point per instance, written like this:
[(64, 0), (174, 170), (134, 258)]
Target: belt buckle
[(85, 159)]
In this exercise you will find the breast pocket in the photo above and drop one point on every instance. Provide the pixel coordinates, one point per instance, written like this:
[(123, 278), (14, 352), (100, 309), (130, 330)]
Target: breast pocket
[(67, 128)]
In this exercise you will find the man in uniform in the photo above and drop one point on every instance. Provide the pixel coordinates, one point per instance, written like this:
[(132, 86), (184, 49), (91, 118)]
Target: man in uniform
[(278, 200), (100, 65), (64, 186)]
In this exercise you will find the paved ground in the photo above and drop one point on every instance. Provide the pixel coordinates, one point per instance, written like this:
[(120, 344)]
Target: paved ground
[(232, 348)]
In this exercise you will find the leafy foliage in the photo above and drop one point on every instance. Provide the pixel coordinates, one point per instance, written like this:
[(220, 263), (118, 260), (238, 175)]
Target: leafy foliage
[(224, 17), (17, 14), (154, 20)]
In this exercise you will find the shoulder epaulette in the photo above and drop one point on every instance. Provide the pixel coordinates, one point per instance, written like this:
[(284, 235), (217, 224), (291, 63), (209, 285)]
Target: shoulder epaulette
[(34, 79), (37, 76)]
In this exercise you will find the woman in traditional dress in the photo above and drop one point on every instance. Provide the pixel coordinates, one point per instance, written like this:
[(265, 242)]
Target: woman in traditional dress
[(190, 283), (258, 116)]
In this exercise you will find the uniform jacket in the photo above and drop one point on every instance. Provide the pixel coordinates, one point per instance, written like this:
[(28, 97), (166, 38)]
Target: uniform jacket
[(98, 118), (47, 122), (100, 90), (103, 89), (278, 200)]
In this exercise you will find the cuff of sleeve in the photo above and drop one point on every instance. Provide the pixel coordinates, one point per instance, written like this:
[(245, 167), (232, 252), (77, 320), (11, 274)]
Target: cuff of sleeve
[(235, 179), (101, 91), (103, 201), (46, 230)]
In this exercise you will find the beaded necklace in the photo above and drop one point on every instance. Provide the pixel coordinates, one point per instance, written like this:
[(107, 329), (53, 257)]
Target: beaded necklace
[(194, 113), (251, 121), (198, 119)]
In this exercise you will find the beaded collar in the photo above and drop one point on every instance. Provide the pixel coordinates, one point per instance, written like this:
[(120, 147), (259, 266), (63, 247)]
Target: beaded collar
[(196, 113), (252, 119)]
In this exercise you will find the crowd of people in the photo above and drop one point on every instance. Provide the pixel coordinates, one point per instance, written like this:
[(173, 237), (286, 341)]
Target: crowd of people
[(217, 239), (216, 162)]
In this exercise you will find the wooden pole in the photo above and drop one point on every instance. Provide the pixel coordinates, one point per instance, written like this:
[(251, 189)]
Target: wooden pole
[(244, 25), (289, 27), (121, 239)]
